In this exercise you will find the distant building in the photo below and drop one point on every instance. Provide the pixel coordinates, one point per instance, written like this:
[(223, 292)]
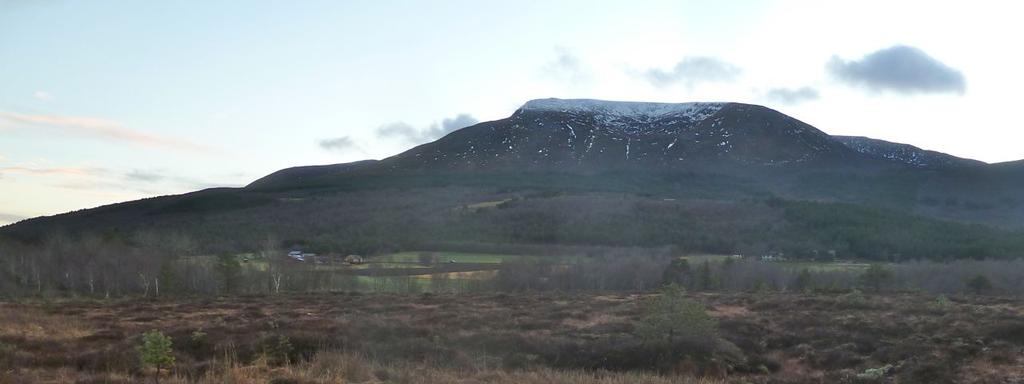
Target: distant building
[(354, 259), (301, 256)]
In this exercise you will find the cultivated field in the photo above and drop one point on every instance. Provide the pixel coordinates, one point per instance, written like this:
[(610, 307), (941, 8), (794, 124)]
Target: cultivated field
[(521, 338)]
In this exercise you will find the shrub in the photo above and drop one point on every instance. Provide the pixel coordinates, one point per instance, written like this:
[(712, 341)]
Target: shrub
[(671, 317), (979, 284), (156, 351), (874, 374), (855, 299), (1011, 331), (6, 354), (802, 282), (941, 303), (876, 277), (278, 350), (197, 336), (928, 372), (839, 357)]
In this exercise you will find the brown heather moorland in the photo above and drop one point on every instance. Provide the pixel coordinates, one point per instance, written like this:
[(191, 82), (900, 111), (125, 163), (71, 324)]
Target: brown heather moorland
[(523, 338)]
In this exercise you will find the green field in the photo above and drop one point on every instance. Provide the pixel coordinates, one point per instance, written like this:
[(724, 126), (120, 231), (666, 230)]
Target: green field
[(428, 281), (813, 266), (486, 204), (700, 258), (476, 258), (477, 269), (466, 281), (827, 267)]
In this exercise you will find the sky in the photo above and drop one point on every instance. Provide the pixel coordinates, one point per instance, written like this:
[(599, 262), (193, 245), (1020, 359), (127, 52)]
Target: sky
[(109, 101)]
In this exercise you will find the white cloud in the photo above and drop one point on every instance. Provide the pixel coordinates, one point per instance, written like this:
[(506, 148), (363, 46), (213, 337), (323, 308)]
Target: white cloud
[(792, 95), (74, 171), (99, 128), (433, 132), (900, 68), (144, 176), (567, 66), (692, 71), (337, 143)]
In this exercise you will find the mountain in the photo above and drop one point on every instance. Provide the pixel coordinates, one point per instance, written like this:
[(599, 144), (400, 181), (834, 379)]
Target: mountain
[(905, 153), (306, 175), (584, 137), (715, 177), (594, 134)]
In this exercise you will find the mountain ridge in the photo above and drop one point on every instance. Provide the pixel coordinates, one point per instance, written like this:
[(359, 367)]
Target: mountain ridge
[(906, 153), (679, 151), (588, 133)]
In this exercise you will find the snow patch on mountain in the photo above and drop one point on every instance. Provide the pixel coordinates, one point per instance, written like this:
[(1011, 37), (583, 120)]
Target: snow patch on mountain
[(903, 153), (638, 110)]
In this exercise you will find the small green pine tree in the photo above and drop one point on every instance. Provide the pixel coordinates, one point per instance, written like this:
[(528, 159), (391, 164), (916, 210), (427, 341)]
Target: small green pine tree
[(156, 351), (678, 272), (670, 316), (229, 271), (279, 350), (168, 281), (705, 277)]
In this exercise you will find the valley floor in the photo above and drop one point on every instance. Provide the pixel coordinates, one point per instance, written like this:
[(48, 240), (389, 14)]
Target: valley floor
[(514, 338)]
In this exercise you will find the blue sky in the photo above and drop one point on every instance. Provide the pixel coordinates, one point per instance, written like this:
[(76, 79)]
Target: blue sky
[(107, 101)]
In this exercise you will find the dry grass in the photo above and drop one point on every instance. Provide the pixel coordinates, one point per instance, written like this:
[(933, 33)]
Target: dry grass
[(333, 367), (342, 368), (526, 338), (32, 323)]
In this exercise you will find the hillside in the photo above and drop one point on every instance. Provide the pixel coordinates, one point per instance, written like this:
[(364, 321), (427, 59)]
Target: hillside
[(721, 177), (905, 153), (591, 134)]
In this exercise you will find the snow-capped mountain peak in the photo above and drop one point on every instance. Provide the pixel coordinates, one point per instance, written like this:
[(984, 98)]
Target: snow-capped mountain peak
[(612, 134), (624, 109)]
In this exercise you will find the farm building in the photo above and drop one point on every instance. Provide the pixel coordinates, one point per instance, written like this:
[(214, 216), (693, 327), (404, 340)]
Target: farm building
[(301, 256), (773, 256)]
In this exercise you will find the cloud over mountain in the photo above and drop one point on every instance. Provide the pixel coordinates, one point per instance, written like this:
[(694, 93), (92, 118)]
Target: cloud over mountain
[(902, 69), (406, 132), (692, 71), (337, 144), (792, 95), (144, 176), (567, 66)]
